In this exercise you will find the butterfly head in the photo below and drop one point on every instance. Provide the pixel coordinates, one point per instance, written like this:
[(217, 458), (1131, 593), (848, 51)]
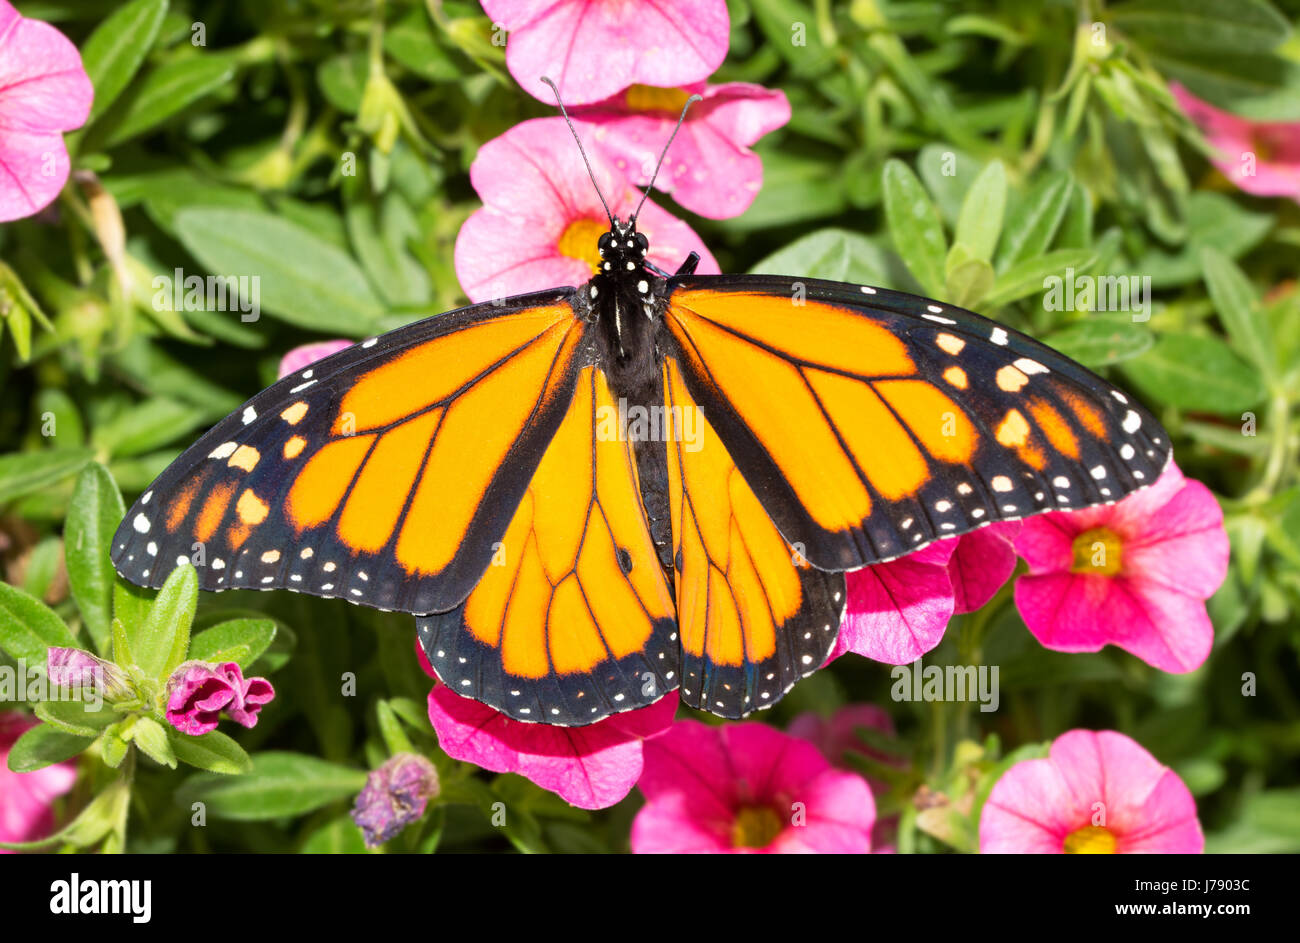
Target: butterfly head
[(622, 249)]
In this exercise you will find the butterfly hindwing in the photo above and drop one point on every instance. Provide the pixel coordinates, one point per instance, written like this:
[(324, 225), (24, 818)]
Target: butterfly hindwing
[(754, 616), (573, 620), (382, 474), (871, 422)]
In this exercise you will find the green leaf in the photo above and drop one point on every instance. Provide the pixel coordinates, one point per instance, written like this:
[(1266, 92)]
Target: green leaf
[(279, 784), (390, 729), (1237, 303), (835, 254), (160, 642), (1100, 343), (379, 235), (151, 737), (914, 226), (1034, 219), (1254, 86), (76, 717), (25, 472), (146, 426), (1196, 372), (28, 627), (969, 282), (44, 746), (796, 188), (116, 48), (304, 280), (980, 221), (214, 752), (1212, 26), (1215, 220), (948, 174), (239, 640), (1030, 275), (342, 79), (93, 516), (339, 836), (164, 92)]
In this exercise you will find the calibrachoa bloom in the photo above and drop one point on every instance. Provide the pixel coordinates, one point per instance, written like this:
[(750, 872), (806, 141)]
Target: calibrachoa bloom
[(898, 611), (541, 216), (197, 693), (710, 169), (395, 796), (1260, 157), (73, 668), (1095, 793), (26, 798), (1135, 574), (594, 48), (44, 91), (303, 356), (747, 787), (591, 767)]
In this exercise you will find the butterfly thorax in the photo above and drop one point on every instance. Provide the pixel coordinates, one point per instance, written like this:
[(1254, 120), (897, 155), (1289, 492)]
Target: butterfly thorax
[(621, 297)]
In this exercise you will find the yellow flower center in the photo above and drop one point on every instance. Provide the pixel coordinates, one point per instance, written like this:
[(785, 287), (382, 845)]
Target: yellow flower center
[(1090, 840), (579, 241), (650, 98), (1097, 552), (755, 827)]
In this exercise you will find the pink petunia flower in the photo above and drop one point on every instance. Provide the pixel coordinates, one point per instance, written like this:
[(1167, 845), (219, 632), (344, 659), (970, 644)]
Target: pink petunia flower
[(44, 91), (838, 739), (26, 799), (303, 356), (197, 693), (541, 217), (710, 169), (898, 611), (1135, 574), (981, 562), (1260, 157), (593, 48), (591, 767), (1095, 793), (78, 670), (395, 796), (746, 788)]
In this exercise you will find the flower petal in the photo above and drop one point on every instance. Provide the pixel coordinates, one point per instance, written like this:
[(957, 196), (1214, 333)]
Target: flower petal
[(898, 611)]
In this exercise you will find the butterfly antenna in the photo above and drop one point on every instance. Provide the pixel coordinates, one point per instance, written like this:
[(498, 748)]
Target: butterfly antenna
[(664, 153), (581, 150)]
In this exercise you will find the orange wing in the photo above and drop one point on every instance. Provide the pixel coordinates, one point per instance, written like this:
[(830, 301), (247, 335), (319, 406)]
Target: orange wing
[(573, 620), (870, 423), (754, 616), (383, 474)]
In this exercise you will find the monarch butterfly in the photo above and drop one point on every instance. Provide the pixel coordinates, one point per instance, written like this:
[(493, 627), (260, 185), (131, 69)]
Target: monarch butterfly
[(592, 496)]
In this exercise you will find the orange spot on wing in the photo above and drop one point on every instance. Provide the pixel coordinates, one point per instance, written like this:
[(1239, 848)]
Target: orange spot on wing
[(1088, 415), (179, 507), (294, 413), (213, 510), (1013, 431), (1055, 427), (245, 458), (294, 446), (956, 376), (251, 509), (1010, 379)]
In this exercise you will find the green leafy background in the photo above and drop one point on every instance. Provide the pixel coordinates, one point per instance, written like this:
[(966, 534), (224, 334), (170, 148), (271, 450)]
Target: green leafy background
[(964, 150)]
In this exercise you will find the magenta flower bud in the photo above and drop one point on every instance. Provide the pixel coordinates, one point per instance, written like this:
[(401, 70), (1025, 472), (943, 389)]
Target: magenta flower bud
[(74, 668), (395, 795), (197, 693)]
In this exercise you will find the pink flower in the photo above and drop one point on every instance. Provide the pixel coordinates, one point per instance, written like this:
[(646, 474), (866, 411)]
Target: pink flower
[(26, 798), (81, 671), (1134, 574), (982, 561), (898, 611), (839, 739), (44, 91), (710, 169), (747, 787), (541, 216), (1260, 157), (395, 796), (591, 767), (197, 693), (1095, 793), (594, 48), (303, 356)]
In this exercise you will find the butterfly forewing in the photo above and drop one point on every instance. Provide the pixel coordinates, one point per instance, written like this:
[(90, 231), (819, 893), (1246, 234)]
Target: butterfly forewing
[(383, 474), (870, 423)]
